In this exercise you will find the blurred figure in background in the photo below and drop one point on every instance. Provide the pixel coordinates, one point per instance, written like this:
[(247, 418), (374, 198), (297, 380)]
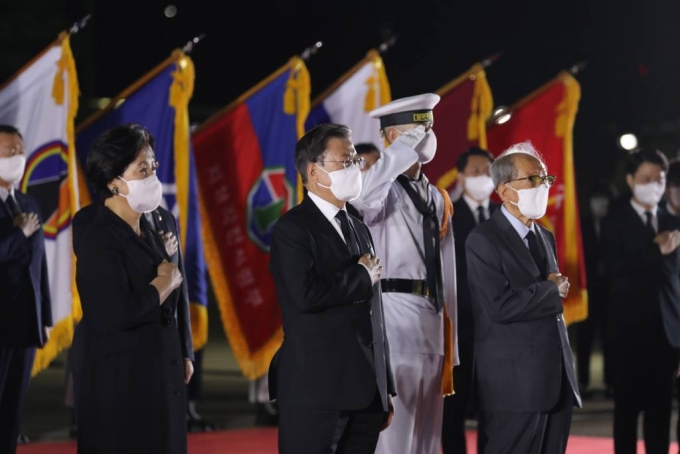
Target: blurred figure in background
[(369, 152), (594, 326), (642, 263)]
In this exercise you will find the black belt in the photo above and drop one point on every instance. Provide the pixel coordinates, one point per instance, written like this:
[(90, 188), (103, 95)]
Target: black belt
[(411, 286)]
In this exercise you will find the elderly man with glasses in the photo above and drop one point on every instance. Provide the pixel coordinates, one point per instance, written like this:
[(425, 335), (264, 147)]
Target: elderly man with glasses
[(525, 377)]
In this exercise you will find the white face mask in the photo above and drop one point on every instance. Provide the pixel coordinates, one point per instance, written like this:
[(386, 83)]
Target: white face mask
[(12, 168), (649, 194), (144, 195), (479, 188), (345, 183), (533, 203), (599, 206), (427, 147)]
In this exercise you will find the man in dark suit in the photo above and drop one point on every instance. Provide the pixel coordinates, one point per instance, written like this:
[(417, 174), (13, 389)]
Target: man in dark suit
[(24, 286), (642, 263), (473, 208), (525, 376), (331, 377)]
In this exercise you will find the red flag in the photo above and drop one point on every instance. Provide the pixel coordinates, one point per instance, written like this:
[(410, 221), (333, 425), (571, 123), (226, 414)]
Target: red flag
[(246, 171), (460, 123), (546, 118)]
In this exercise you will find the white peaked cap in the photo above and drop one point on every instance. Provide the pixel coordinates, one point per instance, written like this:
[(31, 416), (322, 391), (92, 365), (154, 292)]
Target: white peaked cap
[(413, 109)]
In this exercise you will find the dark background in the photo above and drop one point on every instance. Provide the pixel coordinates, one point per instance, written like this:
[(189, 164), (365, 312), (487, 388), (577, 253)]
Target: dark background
[(629, 84)]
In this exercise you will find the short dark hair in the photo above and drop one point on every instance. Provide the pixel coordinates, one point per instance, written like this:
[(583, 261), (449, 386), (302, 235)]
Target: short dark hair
[(636, 158), (673, 176), (472, 151), (313, 145), (366, 148), (8, 129), (113, 151)]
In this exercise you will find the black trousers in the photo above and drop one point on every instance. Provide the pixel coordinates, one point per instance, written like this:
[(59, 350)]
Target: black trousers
[(644, 381), (530, 433), (307, 431), (456, 407), (15, 375)]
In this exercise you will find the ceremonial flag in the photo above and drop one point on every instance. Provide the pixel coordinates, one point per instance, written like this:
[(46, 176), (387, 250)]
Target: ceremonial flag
[(546, 118), (246, 168), (159, 101), (349, 100), (460, 123), (42, 102)]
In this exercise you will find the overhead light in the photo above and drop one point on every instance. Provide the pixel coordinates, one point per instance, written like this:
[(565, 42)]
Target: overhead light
[(170, 11), (628, 141)]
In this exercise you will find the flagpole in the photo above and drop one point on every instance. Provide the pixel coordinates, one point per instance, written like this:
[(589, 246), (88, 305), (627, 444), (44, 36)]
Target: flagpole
[(466, 75), (75, 28), (190, 45), (307, 53)]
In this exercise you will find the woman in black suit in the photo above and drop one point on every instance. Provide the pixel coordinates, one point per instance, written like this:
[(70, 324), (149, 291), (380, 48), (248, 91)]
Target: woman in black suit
[(128, 362)]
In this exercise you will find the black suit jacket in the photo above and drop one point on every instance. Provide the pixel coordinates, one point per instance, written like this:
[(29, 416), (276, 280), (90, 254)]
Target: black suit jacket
[(644, 285), (127, 352), (335, 354), (521, 343), (25, 303), (164, 221), (464, 221)]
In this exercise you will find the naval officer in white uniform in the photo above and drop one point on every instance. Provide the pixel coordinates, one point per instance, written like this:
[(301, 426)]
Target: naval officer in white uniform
[(410, 221)]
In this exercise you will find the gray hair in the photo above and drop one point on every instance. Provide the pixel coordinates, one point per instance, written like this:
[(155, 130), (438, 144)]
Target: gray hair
[(503, 168)]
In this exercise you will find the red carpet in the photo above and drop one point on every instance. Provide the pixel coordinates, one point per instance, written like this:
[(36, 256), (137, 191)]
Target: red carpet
[(263, 441)]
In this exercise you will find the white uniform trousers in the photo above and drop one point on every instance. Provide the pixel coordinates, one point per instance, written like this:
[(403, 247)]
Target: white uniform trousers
[(418, 407)]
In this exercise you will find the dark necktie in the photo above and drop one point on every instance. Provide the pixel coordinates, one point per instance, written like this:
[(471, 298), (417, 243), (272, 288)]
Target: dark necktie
[(649, 224), (348, 233), (481, 216), (14, 209), (431, 242), (537, 253)]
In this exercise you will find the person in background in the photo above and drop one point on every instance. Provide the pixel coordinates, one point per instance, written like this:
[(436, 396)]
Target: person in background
[(370, 153), (473, 208), (595, 325), (642, 263), (25, 302)]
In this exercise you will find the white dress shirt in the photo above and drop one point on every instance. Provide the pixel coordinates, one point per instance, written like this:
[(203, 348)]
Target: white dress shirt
[(521, 229), (474, 207), (330, 211), (4, 193)]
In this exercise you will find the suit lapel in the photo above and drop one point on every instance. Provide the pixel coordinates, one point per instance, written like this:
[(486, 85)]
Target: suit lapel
[(515, 242), (323, 225)]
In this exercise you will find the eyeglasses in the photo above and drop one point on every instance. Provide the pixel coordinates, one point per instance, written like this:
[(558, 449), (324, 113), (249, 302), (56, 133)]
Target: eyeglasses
[(347, 163), (537, 180)]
